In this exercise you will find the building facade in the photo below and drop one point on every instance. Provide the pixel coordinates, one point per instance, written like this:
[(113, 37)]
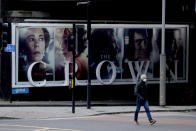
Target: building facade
[(125, 41)]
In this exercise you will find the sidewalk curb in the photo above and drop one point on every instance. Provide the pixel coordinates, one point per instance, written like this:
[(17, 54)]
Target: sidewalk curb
[(125, 112)]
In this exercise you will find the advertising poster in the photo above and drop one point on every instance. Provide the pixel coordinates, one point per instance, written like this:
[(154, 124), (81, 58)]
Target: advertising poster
[(120, 53), (136, 50), (33, 47)]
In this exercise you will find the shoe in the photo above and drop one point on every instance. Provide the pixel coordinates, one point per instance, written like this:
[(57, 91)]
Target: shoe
[(152, 121), (136, 122)]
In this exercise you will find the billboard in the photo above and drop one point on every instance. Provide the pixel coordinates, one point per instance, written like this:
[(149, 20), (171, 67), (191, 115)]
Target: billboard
[(119, 53)]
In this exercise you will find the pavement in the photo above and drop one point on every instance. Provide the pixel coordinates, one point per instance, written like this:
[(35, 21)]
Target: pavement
[(63, 109)]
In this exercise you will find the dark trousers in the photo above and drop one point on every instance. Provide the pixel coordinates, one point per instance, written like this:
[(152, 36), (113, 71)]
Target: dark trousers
[(139, 103)]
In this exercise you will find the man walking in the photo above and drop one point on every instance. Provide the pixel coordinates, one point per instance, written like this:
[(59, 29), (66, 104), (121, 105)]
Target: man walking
[(142, 99)]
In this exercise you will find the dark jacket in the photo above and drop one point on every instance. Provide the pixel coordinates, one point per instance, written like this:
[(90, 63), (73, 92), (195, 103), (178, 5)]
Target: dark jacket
[(141, 91)]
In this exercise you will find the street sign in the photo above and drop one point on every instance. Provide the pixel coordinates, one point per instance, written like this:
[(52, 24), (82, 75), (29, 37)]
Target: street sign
[(20, 90), (9, 48)]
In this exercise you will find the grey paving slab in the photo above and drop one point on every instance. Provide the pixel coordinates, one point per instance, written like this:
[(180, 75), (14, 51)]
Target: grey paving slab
[(41, 110)]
